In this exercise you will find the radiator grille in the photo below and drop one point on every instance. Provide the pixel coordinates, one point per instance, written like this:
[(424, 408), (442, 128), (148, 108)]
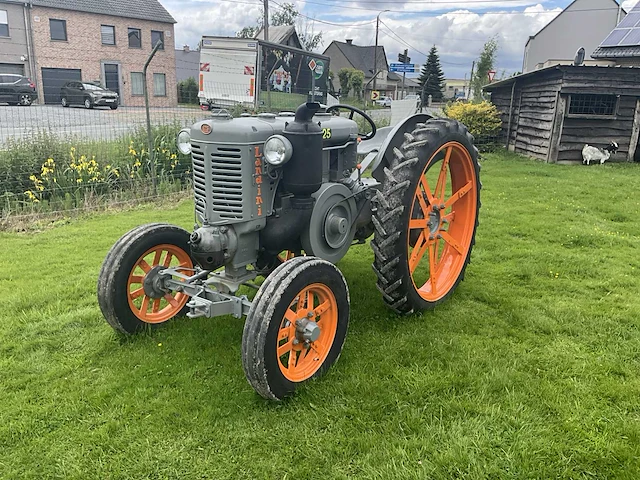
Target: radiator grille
[(217, 181), (226, 176)]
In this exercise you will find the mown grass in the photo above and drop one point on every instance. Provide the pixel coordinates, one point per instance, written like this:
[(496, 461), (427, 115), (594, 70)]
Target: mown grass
[(531, 370)]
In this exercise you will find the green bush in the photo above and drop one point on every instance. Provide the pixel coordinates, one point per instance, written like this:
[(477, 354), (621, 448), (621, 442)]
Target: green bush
[(188, 91), (482, 119)]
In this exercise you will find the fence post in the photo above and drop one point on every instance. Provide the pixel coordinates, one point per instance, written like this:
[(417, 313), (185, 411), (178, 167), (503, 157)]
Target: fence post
[(150, 144)]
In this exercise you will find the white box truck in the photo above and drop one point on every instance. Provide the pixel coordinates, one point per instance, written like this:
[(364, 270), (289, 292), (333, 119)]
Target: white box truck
[(257, 74)]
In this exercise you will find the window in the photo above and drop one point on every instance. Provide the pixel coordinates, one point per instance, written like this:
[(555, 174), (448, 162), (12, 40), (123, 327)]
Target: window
[(593, 105), (4, 24), (108, 34), (155, 37), (137, 83), (135, 38), (159, 85), (58, 29)]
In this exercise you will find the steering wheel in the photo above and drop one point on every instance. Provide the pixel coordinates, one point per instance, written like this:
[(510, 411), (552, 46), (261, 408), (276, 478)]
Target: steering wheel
[(363, 137)]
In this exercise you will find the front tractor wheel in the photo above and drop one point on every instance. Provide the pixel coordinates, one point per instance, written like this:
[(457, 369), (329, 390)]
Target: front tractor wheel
[(426, 216), (296, 326), (130, 291)]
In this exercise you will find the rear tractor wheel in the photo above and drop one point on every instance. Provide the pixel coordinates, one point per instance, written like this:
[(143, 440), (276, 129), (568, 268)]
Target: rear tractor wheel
[(426, 216), (129, 294), (296, 326)]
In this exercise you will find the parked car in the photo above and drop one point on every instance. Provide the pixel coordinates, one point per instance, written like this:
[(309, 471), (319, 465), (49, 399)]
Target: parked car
[(384, 101), (87, 94), (17, 90), (412, 96)]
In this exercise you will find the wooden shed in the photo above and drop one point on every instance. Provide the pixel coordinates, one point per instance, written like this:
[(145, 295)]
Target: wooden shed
[(551, 113)]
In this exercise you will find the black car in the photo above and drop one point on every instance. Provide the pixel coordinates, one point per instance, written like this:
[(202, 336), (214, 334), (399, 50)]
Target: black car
[(17, 90), (87, 94)]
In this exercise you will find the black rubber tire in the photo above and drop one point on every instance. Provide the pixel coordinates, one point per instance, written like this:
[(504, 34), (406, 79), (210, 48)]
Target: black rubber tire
[(117, 265), (113, 107), (259, 338), (392, 213)]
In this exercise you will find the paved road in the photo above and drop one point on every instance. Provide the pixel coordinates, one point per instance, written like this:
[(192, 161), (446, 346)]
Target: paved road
[(96, 124)]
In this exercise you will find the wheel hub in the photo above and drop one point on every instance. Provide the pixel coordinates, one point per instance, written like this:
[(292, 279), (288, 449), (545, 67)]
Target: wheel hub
[(153, 283), (307, 330), (435, 220)]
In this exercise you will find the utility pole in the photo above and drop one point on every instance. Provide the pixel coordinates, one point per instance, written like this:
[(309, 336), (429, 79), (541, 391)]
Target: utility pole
[(265, 21), (375, 50), (404, 72), (473, 66)]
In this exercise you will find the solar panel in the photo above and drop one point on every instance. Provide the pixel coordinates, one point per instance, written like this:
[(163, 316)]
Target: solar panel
[(632, 39), (630, 20), (615, 37)]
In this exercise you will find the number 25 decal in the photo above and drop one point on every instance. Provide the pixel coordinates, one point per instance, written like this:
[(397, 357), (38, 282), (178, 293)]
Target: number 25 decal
[(326, 133)]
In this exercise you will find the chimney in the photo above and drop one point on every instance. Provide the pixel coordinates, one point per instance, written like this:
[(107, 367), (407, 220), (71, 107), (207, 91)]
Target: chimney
[(349, 41), (185, 48)]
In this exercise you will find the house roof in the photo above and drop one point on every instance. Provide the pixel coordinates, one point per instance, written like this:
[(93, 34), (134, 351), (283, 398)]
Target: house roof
[(531, 37), (553, 68), (142, 9), (361, 57), (617, 51), (280, 34)]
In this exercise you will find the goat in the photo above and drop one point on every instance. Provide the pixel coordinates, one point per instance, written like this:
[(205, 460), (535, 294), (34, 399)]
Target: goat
[(593, 154)]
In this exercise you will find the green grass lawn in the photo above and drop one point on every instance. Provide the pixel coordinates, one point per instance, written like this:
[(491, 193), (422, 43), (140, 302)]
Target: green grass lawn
[(531, 370)]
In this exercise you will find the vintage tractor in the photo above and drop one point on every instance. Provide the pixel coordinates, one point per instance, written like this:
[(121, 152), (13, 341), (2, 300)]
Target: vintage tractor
[(284, 197)]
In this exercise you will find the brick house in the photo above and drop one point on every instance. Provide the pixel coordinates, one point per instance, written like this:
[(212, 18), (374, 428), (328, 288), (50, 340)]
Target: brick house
[(107, 42)]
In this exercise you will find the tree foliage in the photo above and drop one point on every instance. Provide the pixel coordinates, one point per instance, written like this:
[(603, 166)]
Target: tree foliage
[(351, 79), (344, 75), (484, 64), (287, 14), (357, 81), (431, 78), (482, 119)]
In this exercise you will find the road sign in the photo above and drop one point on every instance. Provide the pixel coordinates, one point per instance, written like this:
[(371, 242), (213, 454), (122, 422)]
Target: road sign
[(402, 67), (312, 65), (375, 95), (491, 74), (319, 70)]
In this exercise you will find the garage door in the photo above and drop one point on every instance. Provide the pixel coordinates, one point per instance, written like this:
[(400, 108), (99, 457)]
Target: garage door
[(14, 68), (54, 78)]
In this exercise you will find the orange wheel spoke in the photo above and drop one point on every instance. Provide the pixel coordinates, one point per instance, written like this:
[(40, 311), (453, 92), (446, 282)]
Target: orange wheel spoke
[(171, 299), (286, 347), (450, 216), (459, 194), (136, 293), (418, 252), (423, 204), (167, 259), (433, 261), (145, 305), (303, 300), (323, 307), (416, 223), (144, 266), (427, 191), (156, 257), (442, 178), (290, 315), (136, 279), (451, 241), (156, 306), (293, 359)]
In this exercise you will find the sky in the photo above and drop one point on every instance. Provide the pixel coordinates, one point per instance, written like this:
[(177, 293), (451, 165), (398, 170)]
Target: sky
[(458, 28)]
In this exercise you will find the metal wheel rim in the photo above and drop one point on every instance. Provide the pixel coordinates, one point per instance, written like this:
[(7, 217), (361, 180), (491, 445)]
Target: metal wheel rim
[(63, 101), (158, 310), (298, 363), (444, 244), (25, 99), (87, 103)]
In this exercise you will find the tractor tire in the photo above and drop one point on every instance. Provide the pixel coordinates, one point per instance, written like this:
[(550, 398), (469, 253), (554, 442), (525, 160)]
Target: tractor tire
[(278, 354), (426, 215), (121, 295)]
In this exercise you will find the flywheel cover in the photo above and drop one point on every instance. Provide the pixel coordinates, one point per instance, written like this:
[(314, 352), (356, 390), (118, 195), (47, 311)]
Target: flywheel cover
[(332, 226)]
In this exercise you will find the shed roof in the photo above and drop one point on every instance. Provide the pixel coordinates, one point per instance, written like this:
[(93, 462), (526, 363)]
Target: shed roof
[(555, 68), (361, 57), (150, 10), (280, 34)]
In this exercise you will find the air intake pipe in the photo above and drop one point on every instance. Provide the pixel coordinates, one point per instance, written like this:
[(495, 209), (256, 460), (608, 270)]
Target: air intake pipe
[(302, 175)]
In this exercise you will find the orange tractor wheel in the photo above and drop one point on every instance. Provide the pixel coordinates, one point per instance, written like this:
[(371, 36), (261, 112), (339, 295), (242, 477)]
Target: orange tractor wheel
[(426, 216)]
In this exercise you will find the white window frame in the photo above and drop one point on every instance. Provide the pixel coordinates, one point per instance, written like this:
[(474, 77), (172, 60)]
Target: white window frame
[(134, 82), (5, 21), (113, 30), (156, 85)]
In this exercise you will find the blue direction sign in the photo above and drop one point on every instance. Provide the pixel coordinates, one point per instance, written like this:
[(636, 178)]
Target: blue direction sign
[(402, 67)]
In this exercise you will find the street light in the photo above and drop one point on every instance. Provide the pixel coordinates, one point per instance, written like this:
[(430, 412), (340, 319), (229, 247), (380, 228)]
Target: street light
[(375, 50)]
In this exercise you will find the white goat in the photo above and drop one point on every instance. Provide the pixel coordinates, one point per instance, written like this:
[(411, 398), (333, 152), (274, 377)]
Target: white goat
[(593, 154)]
